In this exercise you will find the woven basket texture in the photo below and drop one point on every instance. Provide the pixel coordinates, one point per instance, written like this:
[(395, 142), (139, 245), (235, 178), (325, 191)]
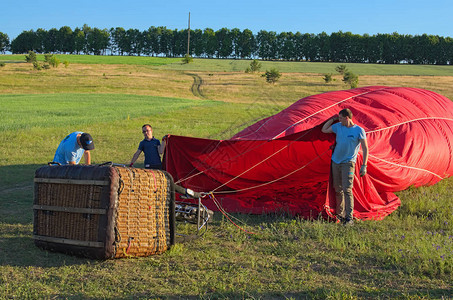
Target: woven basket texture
[(136, 222), (142, 215)]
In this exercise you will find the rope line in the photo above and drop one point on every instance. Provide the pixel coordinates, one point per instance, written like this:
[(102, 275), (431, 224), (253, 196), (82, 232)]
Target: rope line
[(404, 166), (410, 121), (402, 123), (186, 178), (351, 97), (226, 215), (328, 107), (234, 157), (201, 172), (286, 146), (272, 181), (219, 206), (257, 164)]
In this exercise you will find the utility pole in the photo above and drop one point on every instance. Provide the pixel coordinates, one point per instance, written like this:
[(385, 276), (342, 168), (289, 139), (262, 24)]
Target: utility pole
[(188, 38)]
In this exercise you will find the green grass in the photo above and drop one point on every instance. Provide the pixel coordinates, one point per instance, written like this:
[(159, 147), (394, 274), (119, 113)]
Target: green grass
[(229, 65), (237, 65), (56, 110), (97, 59), (408, 255)]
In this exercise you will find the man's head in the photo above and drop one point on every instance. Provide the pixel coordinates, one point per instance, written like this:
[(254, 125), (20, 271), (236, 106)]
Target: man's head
[(147, 131), (346, 113), (86, 141), (345, 116)]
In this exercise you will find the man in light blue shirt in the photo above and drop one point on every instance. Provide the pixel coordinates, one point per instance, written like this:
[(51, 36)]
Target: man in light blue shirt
[(349, 138), (73, 147)]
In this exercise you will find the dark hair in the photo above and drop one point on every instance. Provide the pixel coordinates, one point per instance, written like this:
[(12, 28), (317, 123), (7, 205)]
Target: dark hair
[(346, 113), (147, 125)]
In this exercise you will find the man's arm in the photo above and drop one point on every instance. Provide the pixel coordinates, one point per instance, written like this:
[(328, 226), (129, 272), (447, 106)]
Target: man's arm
[(135, 157), (87, 155), (161, 147), (364, 145), (327, 128)]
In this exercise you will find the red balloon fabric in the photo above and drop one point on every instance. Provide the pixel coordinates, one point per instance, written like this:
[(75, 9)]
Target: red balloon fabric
[(282, 163)]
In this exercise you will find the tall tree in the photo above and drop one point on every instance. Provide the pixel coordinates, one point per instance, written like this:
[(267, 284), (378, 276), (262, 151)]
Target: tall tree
[(267, 44), (150, 40), (286, 46), (224, 43), (135, 41), (65, 40), (235, 35), (97, 40), (79, 40), (322, 42), (299, 45), (4, 42), (247, 44), (117, 40), (24, 42), (166, 41), (196, 42), (210, 42), (50, 43)]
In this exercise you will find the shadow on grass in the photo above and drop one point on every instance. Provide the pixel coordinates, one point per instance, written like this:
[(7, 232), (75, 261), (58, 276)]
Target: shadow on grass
[(316, 293), (16, 222)]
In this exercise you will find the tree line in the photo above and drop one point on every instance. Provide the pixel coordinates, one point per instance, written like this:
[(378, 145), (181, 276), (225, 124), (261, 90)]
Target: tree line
[(342, 47)]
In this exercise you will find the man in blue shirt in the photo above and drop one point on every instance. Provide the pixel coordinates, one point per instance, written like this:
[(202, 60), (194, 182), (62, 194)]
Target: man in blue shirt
[(73, 147), (152, 149), (349, 138)]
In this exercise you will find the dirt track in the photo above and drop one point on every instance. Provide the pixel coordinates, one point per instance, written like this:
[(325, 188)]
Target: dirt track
[(196, 86)]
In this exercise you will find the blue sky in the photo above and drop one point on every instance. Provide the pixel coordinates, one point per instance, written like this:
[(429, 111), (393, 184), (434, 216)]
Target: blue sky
[(357, 16)]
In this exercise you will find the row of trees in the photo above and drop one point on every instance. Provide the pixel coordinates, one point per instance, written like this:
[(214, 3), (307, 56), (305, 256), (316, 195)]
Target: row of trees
[(225, 43)]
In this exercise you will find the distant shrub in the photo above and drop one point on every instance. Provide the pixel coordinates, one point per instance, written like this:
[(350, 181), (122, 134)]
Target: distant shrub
[(255, 66), (54, 61), (31, 57), (37, 66), (328, 78), (351, 79), (187, 59), (66, 63), (342, 69), (2, 64), (272, 76), (47, 57), (51, 60)]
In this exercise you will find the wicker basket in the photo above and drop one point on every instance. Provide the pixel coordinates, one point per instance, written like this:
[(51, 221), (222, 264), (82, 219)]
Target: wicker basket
[(103, 211)]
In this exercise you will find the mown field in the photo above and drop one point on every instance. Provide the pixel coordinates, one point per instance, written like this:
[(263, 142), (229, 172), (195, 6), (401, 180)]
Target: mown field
[(408, 255)]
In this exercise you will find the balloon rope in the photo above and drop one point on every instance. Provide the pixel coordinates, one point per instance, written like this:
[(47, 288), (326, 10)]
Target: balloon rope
[(343, 100), (227, 215), (410, 121), (408, 167), (266, 183), (328, 107)]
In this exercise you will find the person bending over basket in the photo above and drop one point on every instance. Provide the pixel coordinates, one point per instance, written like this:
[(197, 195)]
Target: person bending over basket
[(152, 149), (73, 147)]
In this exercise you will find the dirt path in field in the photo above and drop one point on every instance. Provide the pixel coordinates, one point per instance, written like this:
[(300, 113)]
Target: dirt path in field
[(196, 86)]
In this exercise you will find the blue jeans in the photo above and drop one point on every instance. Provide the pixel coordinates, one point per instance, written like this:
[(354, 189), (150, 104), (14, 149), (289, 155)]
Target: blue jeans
[(343, 179)]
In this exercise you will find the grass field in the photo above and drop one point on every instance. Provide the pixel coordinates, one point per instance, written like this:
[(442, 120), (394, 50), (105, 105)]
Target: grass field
[(238, 65), (408, 255)]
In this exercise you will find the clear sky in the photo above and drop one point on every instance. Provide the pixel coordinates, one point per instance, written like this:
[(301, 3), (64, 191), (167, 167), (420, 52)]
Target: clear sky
[(413, 17)]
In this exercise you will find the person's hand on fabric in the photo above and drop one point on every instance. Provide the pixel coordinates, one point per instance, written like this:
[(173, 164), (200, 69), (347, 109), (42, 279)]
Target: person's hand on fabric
[(363, 170)]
